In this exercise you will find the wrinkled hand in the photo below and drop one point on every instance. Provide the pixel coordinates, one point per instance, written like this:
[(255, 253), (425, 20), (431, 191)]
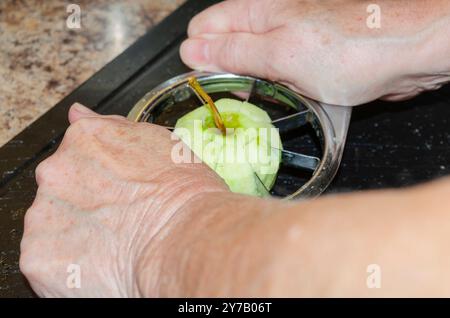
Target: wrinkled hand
[(102, 199), (322, 49)]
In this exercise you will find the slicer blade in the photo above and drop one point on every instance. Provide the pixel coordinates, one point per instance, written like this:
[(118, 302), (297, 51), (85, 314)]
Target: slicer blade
[(298, 160), (291, 122)]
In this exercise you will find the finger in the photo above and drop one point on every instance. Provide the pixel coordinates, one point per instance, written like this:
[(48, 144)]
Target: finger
[(252, 16), (78, 111), (241, 53)]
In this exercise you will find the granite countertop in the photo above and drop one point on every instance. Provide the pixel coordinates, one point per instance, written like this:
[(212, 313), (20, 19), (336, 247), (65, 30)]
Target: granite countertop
[(42, 60)]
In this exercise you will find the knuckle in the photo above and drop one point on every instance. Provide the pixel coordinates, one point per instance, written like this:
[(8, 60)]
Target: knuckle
[(43, 171), (50, 169), (86, 124), (230, 54), (87, 127), (29, 260), (33, 216), (79, 127), (80, 130), (71, 134)]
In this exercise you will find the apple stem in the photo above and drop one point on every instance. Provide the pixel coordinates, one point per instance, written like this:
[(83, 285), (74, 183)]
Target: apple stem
[(206, 99)]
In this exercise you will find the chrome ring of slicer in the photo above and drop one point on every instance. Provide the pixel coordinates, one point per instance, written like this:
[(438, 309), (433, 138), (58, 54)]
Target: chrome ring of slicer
[(330, 122)]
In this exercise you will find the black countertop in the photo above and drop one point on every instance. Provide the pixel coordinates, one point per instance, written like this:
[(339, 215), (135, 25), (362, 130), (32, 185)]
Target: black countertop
[(397, 144), (388, 144)]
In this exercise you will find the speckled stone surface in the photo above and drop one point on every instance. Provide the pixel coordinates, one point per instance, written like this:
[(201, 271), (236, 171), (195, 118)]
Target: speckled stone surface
[(42, 60)]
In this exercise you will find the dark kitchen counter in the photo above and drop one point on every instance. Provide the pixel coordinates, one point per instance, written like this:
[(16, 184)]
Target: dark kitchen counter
[(388, 145)]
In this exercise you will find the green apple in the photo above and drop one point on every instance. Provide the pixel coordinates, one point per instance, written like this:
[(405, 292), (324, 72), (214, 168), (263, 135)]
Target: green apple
[(247, 157)]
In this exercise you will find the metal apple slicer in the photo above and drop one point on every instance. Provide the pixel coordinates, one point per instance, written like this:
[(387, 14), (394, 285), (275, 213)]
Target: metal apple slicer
[(312, 134)]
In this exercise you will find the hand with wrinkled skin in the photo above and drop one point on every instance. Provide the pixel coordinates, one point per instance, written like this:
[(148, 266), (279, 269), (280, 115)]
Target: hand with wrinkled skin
[(111, 201), (102, 199), (324, 49)]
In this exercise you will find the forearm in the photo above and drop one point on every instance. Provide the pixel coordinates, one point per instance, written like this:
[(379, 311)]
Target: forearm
[(231, 246), (212, 248)]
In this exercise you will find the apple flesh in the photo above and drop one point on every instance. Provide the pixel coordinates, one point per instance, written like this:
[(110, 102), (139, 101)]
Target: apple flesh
[(247, 158)]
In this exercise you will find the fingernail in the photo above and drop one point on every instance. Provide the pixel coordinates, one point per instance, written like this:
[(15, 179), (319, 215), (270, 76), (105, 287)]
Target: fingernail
[(195, 52)]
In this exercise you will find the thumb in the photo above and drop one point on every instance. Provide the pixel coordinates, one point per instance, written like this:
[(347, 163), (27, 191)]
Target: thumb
[(240, 53), (78, 111)]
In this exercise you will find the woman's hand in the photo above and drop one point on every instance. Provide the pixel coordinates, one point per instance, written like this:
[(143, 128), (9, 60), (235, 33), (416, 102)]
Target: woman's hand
[(326, 49), (114, 209), (103, 197)]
